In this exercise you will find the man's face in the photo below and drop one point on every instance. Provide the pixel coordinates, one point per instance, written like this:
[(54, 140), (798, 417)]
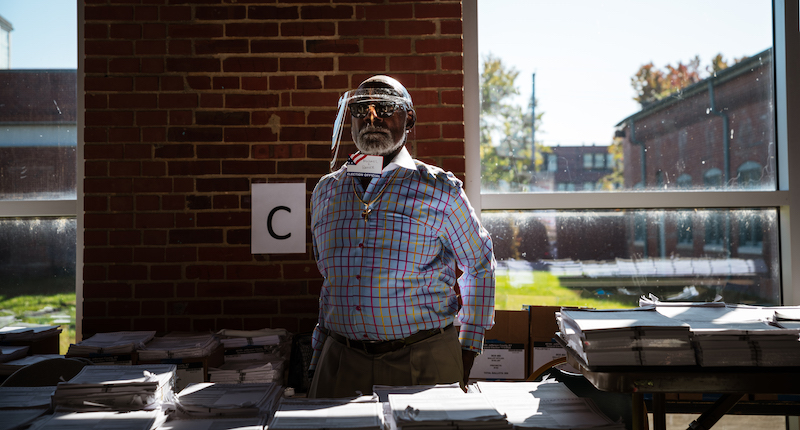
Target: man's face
[(378, 127)]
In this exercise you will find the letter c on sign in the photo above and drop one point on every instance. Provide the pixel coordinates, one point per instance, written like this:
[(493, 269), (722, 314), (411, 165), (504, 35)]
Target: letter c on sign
[(269, 222)]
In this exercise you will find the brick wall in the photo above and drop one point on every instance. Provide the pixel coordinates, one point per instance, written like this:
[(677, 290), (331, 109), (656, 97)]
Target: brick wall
[(188, 103)]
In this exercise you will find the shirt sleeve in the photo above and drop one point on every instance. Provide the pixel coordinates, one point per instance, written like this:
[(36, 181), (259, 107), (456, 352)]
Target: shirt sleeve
[(472, 247)]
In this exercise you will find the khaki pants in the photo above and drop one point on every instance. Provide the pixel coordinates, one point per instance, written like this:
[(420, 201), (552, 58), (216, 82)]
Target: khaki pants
[(341, 371)]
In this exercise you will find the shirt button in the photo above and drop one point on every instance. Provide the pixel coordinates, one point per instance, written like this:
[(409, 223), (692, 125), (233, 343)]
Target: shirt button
[(366, 336), (358, 308), (358, 277), (360, 245)]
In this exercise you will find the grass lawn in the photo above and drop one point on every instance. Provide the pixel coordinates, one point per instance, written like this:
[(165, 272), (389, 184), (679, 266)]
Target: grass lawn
[(540, 288)]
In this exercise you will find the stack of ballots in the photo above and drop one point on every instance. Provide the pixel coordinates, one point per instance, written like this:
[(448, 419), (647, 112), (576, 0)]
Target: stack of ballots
[(119, 388), (427, 410), (252, 356), (626, 337), (179, 345), (228, 400), (116, 420), (119, 342), (28, 332), (736, 335), (19, 406), (363, 413)]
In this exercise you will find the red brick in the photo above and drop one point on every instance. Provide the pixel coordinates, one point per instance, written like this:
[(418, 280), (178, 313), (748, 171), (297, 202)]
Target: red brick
[(180, 117), (147, 203), (177, 101), (127, 272), (248, 30), (171, 202), (106, 290), (154, 31), (194, 64), (250, 307), (300, 271), (199, 82), (412, 63), (218, 13), (172, 83), (253, 271), (222, 118), (95, 31), (151, 47), (108, 13), (153, 307), (437, 10), (125, 168), (152, 65), (451, 27), (151, 237), (391, 11), (205, 272), (195, 236), (303, 167), (154, 168), (95, 204), (325, 99), (125, 31), (226, 202), (176, 13), (126, 308), (296, 306), (125, 237), (223, 151), (169, 272), (362, 28), (193, 168), (124, 135), (151, 118), (308, 29), (96, 168), (251, 101), (148, 255), (106, 185), (326, 12), (188, 31), (92, 83), (137, 101), (452, 62), (103, 151), (361, 63), (108, 47), (146, 13), (195, 134), (224, 289), (249, 167), (181, 254), (155, 220), (387, 46), (272, 12), (180, 47), (306, 64), (235, 46), (95, 65), (250, 64), (269, 46), (412, 28), (255, 83), (146, 83), (226, 83), (453, 131), (116, 254), (225, 254)]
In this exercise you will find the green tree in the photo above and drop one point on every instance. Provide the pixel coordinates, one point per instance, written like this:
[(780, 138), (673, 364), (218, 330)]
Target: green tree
[(508, 155)]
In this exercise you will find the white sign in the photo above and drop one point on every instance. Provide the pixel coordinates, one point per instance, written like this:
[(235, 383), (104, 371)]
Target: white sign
[(278, 219), (500, 361)]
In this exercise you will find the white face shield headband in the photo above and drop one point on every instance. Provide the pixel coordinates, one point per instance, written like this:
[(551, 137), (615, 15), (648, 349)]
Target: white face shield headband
[(387, 100)]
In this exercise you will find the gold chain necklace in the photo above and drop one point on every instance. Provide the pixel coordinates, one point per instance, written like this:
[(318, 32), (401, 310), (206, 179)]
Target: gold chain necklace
[(367, 209)]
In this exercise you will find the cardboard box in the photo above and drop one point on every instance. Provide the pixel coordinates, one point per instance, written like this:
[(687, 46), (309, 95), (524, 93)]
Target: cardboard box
[(193, 369), (115, 359), (505, 348), (543, 328)]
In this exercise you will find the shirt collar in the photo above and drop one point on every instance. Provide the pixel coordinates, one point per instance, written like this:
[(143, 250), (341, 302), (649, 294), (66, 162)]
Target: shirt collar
[(402, 159)]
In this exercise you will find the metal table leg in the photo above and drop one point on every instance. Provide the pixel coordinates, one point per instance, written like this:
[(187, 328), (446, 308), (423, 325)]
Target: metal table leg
[(711, 416)]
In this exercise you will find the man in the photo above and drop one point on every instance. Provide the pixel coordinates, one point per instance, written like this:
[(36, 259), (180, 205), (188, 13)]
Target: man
[(387, 239)]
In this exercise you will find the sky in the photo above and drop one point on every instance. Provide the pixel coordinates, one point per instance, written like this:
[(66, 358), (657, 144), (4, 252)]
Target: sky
[(583, 61), (45, 34), (584, 52)]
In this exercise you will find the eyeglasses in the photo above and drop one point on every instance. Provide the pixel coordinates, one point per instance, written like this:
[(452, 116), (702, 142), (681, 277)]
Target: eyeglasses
[(383, 109)]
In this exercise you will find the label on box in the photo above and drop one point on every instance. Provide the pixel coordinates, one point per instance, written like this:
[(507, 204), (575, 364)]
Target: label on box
[(500, 361), (188, 373), (545, 352)]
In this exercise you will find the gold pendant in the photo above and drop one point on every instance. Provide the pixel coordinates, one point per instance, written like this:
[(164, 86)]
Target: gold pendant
[(365, 213)]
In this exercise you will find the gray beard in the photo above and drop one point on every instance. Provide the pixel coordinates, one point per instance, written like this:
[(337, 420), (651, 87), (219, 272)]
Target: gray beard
[(376, 141)]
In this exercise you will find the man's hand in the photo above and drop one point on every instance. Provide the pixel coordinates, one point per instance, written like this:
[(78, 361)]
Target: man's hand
[(468, 358)]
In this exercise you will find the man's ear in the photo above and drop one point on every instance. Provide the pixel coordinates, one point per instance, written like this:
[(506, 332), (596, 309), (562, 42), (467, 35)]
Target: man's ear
[(411, 119)]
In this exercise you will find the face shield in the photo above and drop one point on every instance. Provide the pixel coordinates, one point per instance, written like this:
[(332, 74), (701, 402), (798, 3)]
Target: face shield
[(386, 101)]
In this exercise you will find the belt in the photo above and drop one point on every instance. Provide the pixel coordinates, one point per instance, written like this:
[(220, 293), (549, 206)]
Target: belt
[(384, 346)]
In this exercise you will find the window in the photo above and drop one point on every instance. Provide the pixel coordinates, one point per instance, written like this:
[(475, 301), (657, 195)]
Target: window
[(552, 163), (38, 170), (599, 161), (658, 143)]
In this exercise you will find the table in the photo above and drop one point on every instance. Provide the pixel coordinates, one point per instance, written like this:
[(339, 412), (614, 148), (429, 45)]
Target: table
[(732, 382)]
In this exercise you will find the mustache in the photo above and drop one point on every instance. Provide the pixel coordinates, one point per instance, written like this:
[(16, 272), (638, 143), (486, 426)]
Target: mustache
[(373, 129)]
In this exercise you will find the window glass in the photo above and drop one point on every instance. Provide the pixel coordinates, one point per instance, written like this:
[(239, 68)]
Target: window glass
[(37, 273), (38, 147), (609, 259), (616, 81)]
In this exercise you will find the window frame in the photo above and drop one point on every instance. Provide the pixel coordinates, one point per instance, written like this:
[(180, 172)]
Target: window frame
[(786, 23)]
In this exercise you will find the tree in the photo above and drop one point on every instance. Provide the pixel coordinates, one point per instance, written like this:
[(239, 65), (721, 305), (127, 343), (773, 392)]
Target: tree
[(507, 150)]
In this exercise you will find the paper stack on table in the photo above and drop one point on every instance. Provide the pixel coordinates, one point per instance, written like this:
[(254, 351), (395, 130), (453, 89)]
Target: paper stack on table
[(230, 400), (119, 342), (99, 388), (364, 412), (426, 410), (28, 332), (8, 353), (217, 423), (19, 406), (132, 420), (237, 372), (179, 345), (639, 336), (544, 405)]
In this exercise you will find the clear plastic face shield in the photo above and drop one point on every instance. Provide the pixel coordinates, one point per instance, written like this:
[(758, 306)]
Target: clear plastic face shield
[(386, 102)]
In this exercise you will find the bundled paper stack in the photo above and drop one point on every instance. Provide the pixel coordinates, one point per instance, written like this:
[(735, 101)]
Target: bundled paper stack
[(28, 332), (424, 411), (785, 352), (8, 353), (99, 388), (364, 412), (179, 345), (239, 372), (216, 423), (229, 400), (544, 405), (118, 342), (132, 420), (735, 335), (19, 406), (626, 337)]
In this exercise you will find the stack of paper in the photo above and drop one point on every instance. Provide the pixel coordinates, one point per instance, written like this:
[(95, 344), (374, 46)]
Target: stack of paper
[(179, 345), (544, 405), (19, 406), (231, 400), (639, 336), (119, 342), (238, 372), (364, 412), (8, 353), (217, 423), (239, 338), (422, 411), (28, 332), (133, 420), (118, 388)]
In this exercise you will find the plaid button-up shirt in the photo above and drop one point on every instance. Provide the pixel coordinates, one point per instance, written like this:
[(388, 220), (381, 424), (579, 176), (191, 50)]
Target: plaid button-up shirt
[(392, 273)]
